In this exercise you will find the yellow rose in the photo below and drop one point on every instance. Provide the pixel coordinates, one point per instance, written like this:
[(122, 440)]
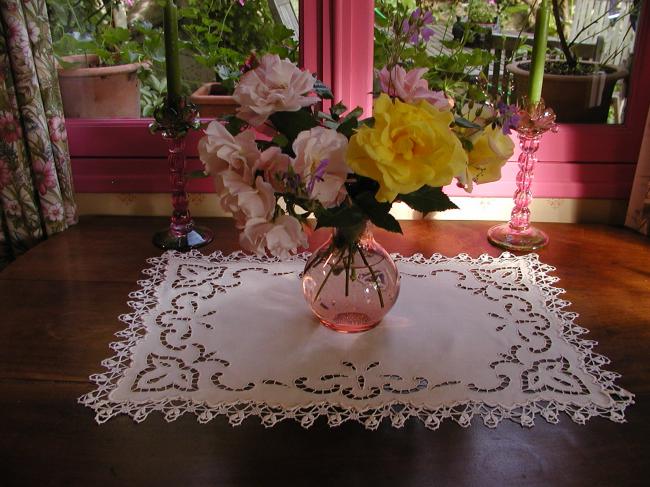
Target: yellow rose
[(491, 151), (409, 146)]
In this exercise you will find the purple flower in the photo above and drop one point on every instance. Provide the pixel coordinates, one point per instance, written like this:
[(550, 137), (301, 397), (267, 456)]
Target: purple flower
[(242, 2), (317, 174), (509, 115)]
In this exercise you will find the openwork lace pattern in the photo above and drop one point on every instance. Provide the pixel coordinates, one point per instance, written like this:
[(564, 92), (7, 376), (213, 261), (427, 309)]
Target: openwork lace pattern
[(546, 381)]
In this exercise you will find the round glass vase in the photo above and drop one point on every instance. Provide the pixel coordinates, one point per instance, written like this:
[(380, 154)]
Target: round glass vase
[(351, 282)]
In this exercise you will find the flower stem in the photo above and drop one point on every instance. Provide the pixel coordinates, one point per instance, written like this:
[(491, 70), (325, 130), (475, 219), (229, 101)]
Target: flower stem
[(372, 273), (329, 273)]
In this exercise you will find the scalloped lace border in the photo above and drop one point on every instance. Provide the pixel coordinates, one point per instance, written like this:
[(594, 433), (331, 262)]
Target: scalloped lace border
[(144, 300)]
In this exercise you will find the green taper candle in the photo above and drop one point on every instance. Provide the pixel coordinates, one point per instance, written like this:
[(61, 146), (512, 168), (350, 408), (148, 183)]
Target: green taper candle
[(172, 63), (539, 53)]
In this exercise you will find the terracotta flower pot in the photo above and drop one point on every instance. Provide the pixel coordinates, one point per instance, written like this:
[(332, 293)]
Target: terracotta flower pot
[(91, 91), (574, 98), (212, 105)]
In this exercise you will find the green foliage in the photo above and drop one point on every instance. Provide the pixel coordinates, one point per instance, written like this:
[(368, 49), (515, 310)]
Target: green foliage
[(428, 199), (222, 33), (481, 11)]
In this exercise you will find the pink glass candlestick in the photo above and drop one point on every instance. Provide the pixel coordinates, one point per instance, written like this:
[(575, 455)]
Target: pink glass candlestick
[(518, 234), (182, 233)]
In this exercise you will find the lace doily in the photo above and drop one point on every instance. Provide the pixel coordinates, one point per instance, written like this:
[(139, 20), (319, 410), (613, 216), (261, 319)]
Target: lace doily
[(231, 335)]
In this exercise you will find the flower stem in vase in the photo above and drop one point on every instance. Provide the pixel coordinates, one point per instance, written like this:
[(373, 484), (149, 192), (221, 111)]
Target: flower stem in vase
[(350, 282)]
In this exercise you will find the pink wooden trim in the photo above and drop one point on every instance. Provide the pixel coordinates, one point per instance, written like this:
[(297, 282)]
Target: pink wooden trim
[(552, 179), (308, 20), (353, 53)]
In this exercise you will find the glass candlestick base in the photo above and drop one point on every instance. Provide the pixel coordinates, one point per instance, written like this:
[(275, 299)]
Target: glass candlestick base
[(194, 238), (506, 237), (535, 120)]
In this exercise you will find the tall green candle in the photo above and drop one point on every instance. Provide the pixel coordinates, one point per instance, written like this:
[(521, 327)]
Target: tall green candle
[(539, 53), (172, 63)]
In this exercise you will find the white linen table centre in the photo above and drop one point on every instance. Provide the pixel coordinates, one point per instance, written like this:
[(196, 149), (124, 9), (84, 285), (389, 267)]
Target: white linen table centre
[(232, 335)]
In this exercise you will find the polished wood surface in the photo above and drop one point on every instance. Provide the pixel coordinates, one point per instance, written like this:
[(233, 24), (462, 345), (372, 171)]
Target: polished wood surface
[(59, 306)]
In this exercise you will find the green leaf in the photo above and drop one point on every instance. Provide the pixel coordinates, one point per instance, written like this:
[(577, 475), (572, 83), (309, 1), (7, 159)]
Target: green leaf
[(463, 122), (198, 174), (292, 123), (234, 125), (427, 199), (348, 127), (341, 216), (280, 140), (322, 90), (377, 212)]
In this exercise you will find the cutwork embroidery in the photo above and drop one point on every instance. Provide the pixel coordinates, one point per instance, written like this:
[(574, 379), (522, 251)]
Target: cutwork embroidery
[(529, 364)]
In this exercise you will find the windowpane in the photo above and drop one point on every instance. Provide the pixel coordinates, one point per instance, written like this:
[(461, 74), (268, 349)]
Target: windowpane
[(480, 41), (123, 42)]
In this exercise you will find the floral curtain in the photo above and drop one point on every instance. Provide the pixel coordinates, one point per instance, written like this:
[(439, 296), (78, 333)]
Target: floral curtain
[(36, 194), (638, 211)]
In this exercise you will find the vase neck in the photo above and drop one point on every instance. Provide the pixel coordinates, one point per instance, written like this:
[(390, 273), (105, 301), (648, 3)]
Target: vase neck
[(344, 236)]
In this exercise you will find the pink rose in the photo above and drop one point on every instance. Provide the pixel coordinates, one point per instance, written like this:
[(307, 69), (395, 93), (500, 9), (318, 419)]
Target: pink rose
[(281, 237), (320, 163), (411, 87), (252, 202), (275, 165), (219, 150), (5, 174), (274, 86)]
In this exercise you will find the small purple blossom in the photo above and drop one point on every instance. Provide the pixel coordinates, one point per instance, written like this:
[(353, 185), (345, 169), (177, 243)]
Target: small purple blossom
[(509, 115), (242, 2), (415, 27), (318, 174), (292, 181)]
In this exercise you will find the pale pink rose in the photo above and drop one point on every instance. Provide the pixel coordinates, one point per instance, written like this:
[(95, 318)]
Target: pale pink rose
[(274, 86), (5, 174), (320, 163), (219, 151), (410, 87), (53, 211), (275, 165), (44, 175), (253, 237), (285, 237), (281, 237), (57, 129), (10, 130), (254, 202)]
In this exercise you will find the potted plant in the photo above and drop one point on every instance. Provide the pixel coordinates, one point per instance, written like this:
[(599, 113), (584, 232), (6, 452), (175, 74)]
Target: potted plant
[(220, 37), (102, 63), (578, 91)]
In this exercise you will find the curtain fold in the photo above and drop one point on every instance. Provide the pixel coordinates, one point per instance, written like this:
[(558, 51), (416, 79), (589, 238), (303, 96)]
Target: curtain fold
[(36, 192), (638, 210)]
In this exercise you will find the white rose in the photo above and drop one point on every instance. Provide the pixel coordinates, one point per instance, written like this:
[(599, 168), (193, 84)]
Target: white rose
[(282, 237), (320, 163), (246, 202)]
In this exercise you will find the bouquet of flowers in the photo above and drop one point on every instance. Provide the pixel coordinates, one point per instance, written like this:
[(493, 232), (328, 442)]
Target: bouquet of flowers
[(281, 161)]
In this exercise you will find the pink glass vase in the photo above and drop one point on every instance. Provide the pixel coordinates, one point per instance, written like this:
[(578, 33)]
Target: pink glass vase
[(351, 282)]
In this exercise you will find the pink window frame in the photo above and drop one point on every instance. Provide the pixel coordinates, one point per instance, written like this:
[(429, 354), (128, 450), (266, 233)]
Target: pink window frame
[(581, 161)]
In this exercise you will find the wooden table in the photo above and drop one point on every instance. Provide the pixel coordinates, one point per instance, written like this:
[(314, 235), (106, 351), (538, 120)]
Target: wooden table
[(60, 303)]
